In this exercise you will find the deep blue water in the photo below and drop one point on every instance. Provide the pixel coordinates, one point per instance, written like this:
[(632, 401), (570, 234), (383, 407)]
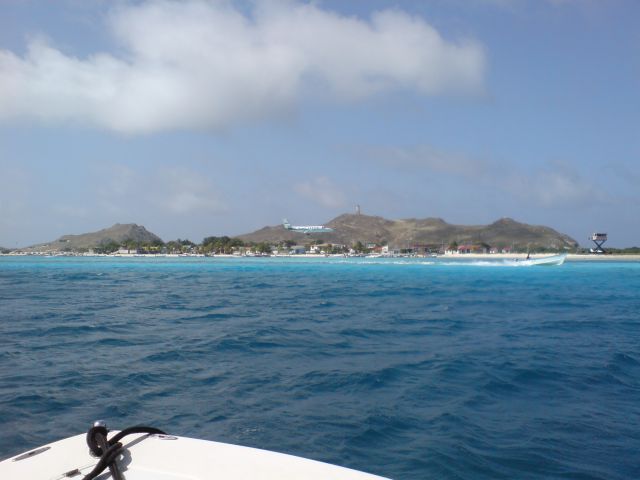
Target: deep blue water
[(408, 369)]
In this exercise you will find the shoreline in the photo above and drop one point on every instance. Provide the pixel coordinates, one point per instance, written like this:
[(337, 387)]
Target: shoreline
[(571, 257), (575, 257)]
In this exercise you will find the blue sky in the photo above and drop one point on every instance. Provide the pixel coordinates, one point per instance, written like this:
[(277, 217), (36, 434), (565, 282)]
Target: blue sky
[(202, 118)]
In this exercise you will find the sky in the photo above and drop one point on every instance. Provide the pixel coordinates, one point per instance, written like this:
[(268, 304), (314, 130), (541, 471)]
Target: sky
[(198, 118)]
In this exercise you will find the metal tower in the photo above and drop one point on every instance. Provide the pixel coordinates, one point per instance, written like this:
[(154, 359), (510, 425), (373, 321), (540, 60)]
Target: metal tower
[(598, 239)]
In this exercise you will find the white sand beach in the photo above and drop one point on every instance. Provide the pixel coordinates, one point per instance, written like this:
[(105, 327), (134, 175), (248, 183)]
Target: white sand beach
[(572, 257)]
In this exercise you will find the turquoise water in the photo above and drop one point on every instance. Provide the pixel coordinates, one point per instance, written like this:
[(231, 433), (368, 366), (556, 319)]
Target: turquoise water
[(412, 369)]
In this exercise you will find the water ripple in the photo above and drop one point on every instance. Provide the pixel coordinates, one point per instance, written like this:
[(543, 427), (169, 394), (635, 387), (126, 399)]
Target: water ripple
[(405, 369)]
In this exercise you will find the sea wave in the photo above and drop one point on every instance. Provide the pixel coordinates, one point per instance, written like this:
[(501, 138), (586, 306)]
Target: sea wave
[(404, 369)]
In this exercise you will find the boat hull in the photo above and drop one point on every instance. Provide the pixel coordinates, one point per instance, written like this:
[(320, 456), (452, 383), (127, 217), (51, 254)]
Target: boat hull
[(544, 261), (167, 457)]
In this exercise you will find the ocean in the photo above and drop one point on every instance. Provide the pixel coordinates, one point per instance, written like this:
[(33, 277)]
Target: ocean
[(406, 368)]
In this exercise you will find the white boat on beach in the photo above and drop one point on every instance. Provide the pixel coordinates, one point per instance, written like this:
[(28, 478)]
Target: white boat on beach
[(546, 261), (143, 453)]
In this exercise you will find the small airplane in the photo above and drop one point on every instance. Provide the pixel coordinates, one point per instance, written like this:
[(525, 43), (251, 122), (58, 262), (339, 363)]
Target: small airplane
[(306, 229)]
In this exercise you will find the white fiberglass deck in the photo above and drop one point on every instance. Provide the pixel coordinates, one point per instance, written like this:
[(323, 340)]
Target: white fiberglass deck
[(166, 457)]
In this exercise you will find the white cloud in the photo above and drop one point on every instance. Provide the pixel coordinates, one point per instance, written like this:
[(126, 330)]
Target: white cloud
[(426, 157), (73, 211), (551, 188), (15, 187), (116, 185), (199, 64), (553, 185), (321, 191), (181, 191), (518, 4), (23, 212), (122, 190), (117, 180)]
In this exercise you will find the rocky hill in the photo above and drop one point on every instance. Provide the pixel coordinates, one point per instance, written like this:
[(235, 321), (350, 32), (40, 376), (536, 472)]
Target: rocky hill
[(349, 229), (118, 233)]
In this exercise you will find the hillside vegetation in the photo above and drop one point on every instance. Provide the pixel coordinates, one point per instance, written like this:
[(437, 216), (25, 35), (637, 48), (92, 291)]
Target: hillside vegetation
[(117, 235), (350, 229)]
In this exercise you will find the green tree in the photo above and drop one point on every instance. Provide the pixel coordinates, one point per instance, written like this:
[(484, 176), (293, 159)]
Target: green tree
[(107, 247), (131, 245), (263, 247), (222, 244), (174, 246)]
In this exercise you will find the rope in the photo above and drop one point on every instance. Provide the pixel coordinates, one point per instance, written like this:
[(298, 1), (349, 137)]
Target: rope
[(110, 450)]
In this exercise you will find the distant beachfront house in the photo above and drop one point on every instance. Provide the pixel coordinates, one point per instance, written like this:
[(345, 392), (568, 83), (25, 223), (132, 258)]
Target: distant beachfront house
[(462, 249), (126, 251), (325, 248), (316, 249), (297, 250), (387, 250), (338, 247), (425, 248)]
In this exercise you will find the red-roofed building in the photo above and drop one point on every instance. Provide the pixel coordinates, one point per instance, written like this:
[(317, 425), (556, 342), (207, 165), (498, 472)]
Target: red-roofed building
[(471, 249)]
